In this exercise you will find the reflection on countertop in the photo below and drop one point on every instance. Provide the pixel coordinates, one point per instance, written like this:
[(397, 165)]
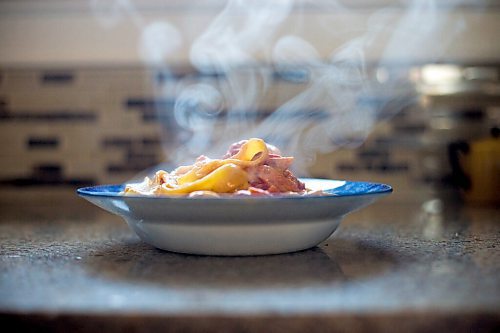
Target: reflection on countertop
[(414, 265)]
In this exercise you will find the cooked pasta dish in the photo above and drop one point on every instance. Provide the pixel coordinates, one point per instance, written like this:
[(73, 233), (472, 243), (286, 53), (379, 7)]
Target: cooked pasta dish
[(249, 168)]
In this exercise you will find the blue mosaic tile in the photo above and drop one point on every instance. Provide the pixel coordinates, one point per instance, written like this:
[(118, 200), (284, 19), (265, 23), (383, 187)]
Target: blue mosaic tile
[(373, 154), (49, 116), (410, 128), (163, 76), (116, 142), (52, 171), (143, 159), (3, 103), (47, 174), (33, 181), (296, 75), (124, 168), (151, 141), (57, 77), (347, 167), (42, 143), (394, 167), (148, 103)]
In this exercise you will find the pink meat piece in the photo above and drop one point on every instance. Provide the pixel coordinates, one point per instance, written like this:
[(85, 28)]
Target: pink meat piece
[(271, 177), (273, 150), (274, 180), (279, 162), (235, 148), (201, 158)]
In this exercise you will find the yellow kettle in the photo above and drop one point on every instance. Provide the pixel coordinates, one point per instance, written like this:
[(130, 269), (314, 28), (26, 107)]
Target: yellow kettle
[(476, 168)]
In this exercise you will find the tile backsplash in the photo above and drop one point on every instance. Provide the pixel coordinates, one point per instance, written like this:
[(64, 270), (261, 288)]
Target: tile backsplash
[(79, 126)]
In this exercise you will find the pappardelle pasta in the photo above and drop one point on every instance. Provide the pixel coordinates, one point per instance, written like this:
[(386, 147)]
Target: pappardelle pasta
[(249, 168)]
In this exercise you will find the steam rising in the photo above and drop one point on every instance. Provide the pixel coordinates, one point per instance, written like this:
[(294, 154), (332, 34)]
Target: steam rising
[(159, 40), (241, 30), (252, 48)]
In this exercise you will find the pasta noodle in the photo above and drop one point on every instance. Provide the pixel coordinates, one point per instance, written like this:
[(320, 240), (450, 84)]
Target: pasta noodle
[(250, 167)]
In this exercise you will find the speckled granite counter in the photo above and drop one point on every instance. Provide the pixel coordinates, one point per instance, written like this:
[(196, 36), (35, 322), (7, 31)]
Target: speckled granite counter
[(65, 265)]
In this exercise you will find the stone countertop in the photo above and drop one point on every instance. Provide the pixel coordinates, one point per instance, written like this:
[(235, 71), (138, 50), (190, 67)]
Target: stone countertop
[(66, 265)]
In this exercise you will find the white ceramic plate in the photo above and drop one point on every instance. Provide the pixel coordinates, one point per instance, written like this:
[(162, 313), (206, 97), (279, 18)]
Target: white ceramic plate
[(238, 225)]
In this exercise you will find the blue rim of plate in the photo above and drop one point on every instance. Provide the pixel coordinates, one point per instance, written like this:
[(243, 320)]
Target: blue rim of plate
[(348, 189)]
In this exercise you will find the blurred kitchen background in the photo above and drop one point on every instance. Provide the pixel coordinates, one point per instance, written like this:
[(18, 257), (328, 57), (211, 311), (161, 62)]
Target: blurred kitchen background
[(87, 97)]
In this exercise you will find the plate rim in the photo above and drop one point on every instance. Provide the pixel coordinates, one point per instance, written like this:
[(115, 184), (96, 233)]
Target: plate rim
[(89, 191)]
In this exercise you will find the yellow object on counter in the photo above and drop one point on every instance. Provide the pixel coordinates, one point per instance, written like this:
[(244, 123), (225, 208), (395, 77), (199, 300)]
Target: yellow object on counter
[(482, 165)]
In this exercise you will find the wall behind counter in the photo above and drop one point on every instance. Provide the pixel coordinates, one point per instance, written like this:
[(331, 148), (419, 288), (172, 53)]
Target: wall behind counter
[(79, 32)]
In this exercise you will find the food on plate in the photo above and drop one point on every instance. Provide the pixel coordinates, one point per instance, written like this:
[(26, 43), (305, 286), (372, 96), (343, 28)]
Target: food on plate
[(249, 168)]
